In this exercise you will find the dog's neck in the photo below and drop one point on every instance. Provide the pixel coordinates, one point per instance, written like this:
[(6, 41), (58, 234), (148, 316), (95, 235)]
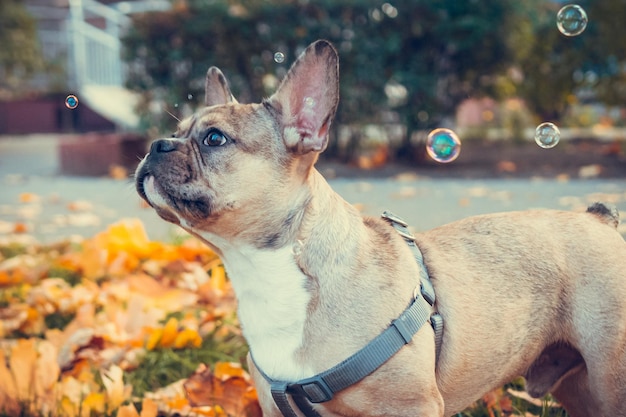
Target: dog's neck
[(272, 299), (295, 298), (276, 286)]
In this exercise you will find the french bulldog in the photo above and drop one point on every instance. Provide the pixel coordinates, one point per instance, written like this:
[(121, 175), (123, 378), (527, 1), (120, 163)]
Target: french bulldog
[(538, 293)]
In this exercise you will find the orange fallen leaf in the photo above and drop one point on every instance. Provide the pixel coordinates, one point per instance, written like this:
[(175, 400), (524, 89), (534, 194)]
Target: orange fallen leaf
[(28, 198), (113, 381), (8, 389), (232, 390), (187, 338), (177, 403), (22, 363), (227, 370), (158, 295), (148, 408), (118, 172), (20, 227), (47, 370), (218, 278), (170, 332), (154, 338), (127, 411), (94, 403), (80, 205)]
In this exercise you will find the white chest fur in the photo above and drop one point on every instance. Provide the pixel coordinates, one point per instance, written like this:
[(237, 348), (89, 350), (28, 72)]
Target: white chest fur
[(272, 301)]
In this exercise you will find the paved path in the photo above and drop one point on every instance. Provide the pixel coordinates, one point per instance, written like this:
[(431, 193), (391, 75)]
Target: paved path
[(53, 206)]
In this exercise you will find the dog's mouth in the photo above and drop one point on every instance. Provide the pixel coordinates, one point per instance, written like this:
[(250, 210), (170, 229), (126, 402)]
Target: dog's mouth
[(149, 191), (168, 201), (140, 177)]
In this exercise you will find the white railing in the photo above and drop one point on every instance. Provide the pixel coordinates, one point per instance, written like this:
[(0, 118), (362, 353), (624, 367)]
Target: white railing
[(95, 67), (94, 31)]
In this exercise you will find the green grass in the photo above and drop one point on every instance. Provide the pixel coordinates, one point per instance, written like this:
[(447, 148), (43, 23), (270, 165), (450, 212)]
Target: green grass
[(163, 366)]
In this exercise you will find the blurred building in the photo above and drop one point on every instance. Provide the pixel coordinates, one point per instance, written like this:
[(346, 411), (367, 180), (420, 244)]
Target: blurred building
[(82, 39)]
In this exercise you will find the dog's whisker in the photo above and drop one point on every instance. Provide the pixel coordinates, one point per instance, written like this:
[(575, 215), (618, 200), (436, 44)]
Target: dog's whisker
[(168, 112)]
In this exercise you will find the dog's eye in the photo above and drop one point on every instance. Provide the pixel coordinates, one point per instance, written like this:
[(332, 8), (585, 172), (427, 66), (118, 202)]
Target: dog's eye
[(214, 138)]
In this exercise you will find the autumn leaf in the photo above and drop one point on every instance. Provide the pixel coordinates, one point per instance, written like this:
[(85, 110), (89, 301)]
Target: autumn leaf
[(172, 335), (118, 172), (8, 389), (148, 408), (94, 402), (170, 331), (116, 392), (154, 338), (227, 370), (47, 372), (228, 385), (20, 227), (127, 411), (29, 198), (22, 363), (187, 338)]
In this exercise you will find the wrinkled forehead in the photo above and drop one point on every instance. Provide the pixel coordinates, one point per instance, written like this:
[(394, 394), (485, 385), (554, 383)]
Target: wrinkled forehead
[(252, 127), (230, 118)]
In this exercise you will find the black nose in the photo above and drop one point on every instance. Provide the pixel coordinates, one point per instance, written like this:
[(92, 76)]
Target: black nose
[(162, 146)]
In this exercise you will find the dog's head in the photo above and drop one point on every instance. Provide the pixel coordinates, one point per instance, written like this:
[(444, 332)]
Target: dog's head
[(236, 170)]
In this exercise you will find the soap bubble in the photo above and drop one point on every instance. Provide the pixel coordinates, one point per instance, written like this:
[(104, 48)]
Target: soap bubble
[(547, 135), (71, 101), (309, 101), (189, 96), (571, 20), (443, 145), (279, 57)]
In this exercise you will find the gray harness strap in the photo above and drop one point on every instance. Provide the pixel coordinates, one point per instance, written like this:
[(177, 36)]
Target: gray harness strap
[(322, 387), (426, 286)]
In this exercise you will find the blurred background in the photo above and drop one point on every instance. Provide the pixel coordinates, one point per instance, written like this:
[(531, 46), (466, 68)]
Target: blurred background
[(490, 69), (85, 85)]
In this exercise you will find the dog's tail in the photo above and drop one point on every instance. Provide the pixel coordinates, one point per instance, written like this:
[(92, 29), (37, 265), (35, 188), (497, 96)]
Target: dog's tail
[(606, 214)]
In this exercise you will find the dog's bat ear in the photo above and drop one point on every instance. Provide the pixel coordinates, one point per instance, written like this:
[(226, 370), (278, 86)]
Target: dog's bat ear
[(216, 89), (307, 98)]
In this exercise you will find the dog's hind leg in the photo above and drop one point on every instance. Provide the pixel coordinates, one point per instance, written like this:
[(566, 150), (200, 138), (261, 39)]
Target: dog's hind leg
[(574, 394), (607, 382)]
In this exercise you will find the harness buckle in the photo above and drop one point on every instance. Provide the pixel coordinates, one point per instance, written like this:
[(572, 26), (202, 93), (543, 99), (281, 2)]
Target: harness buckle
[(428, 291), (387, 215), (315, 389)]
